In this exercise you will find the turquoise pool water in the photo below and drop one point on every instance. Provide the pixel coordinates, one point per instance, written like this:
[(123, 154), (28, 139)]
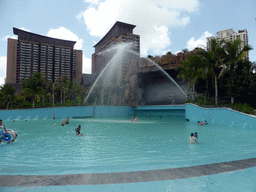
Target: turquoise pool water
[(118, 145)]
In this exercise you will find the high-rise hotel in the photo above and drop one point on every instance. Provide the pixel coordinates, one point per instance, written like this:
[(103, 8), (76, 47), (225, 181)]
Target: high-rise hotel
[(33, 53), (119, 33), (230, 35)]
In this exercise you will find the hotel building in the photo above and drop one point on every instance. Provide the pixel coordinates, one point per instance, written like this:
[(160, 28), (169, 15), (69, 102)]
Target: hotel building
[(230, 35), (33, 53), (119, 33)]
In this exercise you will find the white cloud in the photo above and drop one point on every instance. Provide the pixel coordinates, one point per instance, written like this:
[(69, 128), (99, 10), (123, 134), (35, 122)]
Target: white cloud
[(92, 1), (8, 36), (3, 61), (1, 81), (22, 28), (201, 42), (63, 33), (154, 18), (87, 65)]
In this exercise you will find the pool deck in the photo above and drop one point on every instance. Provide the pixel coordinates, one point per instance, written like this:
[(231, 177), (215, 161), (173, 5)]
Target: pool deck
[(124, 177)]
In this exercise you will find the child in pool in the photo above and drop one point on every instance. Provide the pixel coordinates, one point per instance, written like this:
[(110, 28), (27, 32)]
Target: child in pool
[(78, 129)]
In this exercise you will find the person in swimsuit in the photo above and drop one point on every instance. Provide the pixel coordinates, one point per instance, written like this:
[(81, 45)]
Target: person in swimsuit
[(196, 136), (78, 129), (192, 139), (2, 130), (67, 120), (63, 123)]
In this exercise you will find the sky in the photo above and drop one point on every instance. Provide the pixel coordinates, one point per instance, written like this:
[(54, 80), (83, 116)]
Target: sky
[(163, 25)]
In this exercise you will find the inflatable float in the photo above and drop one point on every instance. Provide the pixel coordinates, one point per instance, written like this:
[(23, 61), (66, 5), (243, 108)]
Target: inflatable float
[(10, 136)]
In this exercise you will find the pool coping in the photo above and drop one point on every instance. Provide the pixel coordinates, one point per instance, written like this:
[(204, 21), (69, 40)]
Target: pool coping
[(125, 177)]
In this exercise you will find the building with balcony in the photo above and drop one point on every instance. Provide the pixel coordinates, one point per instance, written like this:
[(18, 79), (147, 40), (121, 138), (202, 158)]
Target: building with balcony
[(118, 34), (32, 53), (230, 35)]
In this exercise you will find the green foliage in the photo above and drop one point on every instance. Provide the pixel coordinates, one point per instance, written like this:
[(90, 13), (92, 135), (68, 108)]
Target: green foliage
[(8, 94), (150, 57), (189, 101), (201, 100), (243, 107)]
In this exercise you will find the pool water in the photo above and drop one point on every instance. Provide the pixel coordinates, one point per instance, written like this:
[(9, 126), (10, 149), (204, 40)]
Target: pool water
[(118, 145)]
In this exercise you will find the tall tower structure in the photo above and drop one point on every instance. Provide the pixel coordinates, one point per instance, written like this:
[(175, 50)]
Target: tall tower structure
[(230, 35), (119, 33), (33, 53)]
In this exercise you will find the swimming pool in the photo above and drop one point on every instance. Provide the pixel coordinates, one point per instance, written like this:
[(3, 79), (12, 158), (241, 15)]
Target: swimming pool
[(118, 145)]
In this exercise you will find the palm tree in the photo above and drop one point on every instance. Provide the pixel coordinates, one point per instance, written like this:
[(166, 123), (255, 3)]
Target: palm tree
[(8, 93), (190, 70), (33, 87), (233, 54), (35, 94), (213, 61)]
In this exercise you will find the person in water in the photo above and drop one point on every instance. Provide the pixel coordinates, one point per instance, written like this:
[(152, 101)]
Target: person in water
[(134, 119), (53, 117), (63, 123), (196, 136), (200, 123), (78, 129), (67, 120), (192, 139), (2, 130)]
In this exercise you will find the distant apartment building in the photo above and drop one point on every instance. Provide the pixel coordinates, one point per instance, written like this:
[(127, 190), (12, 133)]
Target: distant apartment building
[(230, 35), (33, 53), (119, 33)]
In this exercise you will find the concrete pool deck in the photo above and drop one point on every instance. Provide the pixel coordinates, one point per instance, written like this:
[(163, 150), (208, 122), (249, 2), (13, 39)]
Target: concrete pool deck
[(125, 177)]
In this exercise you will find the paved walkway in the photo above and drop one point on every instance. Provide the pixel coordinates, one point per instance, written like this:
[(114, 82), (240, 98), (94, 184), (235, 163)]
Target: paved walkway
[(124, 177)]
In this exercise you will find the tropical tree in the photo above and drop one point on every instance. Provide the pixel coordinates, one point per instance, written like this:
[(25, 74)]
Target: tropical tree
[(213, 61), (8, 94), (190, 70), (242, 82), (150, 57), (233, 55), (33, 87), (185, 50)]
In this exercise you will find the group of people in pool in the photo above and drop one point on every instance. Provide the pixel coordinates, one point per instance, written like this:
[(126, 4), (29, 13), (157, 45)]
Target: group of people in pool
[(65, 122), (77, 130), (134, 119), (202, 123), (193, 138)]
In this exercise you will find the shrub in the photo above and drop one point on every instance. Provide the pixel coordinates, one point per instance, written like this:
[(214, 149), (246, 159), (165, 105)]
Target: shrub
[(243, 108)]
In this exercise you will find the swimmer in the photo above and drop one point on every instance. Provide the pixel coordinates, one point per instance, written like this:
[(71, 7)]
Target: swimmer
[(192, 139), (53, 117), (2, 130), (67, 120), (200, 123), (55, 124), (196, 136), (62, 123), (78, 129), (134, 119)]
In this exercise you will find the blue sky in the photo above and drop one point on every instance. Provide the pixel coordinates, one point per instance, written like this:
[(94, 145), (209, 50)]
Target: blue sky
[(163, 25)]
